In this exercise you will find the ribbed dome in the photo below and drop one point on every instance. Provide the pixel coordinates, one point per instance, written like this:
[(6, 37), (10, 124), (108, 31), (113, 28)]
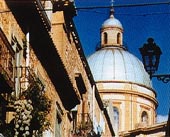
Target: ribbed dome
[(112, 22), (117, 64)]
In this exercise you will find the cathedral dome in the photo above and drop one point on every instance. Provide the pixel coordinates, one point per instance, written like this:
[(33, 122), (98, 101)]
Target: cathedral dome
[(121, 80), (116, 64)]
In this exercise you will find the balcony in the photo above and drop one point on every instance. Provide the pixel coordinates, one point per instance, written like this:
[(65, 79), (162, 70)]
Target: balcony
[(67, 6), (29, 12), (85, 122), (84, 126), (6, 66), (27, 78), (45, 9)]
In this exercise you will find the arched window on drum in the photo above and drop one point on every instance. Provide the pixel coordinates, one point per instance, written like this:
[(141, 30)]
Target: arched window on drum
[(144, 117), (118, 38), (116, 118), (105, 38)]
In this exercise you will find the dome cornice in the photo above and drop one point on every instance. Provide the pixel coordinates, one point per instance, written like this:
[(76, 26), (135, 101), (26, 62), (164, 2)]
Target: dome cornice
[(111, 46), (131, 93), (127, 82), (111, 28)]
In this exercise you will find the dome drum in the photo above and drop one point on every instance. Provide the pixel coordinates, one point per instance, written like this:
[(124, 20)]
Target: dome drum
[(111, 37), (127, 88)]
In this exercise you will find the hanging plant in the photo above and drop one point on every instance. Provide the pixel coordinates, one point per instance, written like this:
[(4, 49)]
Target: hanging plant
[(41, 107), (30, 115), (23, 117)]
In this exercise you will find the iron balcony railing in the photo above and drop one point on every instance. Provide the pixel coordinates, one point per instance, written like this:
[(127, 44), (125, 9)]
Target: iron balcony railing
[(27, 77), (84, 125)]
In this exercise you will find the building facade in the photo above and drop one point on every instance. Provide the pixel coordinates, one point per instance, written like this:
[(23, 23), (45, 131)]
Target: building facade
[(46, 87), (124, 85)]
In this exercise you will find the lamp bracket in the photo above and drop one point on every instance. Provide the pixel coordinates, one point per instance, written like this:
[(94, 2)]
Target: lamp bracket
[(165, 78)]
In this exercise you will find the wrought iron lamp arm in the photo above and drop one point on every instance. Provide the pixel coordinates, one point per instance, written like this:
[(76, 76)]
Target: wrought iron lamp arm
[(165, 78)]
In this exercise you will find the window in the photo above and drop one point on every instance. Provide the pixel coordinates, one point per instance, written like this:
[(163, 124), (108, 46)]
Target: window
[(118, 38), (116, 118), (105, 37), (74, 115), (144, 117)]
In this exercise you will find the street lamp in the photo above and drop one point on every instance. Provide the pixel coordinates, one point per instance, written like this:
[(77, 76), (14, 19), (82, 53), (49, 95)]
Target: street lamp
[(150, 56)]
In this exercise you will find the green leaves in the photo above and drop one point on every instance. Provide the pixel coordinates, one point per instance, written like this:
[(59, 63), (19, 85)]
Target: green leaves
[(41, 107)]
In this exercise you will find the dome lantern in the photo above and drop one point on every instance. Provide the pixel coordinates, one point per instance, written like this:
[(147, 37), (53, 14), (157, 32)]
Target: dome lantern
[(111, 31)]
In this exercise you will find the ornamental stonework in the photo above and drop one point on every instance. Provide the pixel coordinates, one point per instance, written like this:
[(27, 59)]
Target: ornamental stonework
[(9, 25)]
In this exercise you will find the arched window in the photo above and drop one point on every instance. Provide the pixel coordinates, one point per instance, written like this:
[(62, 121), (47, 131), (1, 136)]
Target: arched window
[(116, 118), (105, 37), (144, 117), (118, 38)]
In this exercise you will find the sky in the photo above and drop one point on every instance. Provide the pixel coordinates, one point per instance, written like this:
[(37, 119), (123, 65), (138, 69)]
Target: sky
[(139, 23)]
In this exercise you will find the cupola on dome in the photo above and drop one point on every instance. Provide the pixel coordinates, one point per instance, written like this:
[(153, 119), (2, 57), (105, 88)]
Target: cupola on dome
[(112, 22)]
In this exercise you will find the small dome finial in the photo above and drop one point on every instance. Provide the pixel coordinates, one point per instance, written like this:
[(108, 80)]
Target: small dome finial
[(112, 9)]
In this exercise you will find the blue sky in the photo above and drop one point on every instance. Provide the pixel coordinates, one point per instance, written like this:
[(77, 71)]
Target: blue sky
[(139, 23)]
